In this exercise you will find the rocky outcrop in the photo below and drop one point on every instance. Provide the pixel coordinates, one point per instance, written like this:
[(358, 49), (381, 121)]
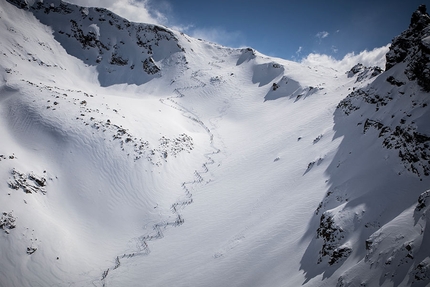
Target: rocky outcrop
[(7, 221), (413, 48), (29, 183), (363, 73), (332, 236), (150, 67)]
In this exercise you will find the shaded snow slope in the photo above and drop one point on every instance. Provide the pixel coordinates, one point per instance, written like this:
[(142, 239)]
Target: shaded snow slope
[(134, 155)]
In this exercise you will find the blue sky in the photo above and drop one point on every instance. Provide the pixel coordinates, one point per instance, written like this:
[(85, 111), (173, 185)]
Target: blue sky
[(287, 29)]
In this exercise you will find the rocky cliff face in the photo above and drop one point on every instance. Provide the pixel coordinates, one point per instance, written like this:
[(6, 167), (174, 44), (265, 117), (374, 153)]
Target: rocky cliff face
[(412, 47)]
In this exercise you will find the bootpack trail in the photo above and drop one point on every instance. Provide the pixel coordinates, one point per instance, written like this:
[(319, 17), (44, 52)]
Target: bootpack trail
[(142, 242)]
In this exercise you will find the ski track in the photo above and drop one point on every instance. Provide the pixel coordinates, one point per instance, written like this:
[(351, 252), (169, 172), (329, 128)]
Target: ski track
[(142, 243), (215, 63)]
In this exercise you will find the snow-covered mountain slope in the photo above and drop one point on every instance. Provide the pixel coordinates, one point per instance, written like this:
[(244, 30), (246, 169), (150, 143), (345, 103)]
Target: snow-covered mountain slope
[(133, 155)]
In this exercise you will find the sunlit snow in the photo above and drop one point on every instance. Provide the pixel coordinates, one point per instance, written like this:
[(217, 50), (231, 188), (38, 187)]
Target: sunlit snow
[(134, 155)]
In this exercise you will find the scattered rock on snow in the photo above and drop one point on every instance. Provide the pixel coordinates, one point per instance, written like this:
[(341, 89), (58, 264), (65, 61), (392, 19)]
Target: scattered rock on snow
[(29, 183), (7, 221)]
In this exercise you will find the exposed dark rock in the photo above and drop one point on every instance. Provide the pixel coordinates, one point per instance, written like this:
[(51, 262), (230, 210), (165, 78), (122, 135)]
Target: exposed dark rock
[(395, 82), (150, 67), (423, 200), (331, 234), (29, 183), (413, 148), (355, 70), (7, 221), (118, 60), (339, 254), (353, 101), (371, 123), (88, 40), (413, 47), (362, 72), (31, 250), (421, 272)]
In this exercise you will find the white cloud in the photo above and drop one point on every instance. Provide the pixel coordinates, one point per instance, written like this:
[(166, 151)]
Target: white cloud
[(322, 34), (133, 10), (376, 57), (334, 49), (181, 27), (216, 35), (299, 50)]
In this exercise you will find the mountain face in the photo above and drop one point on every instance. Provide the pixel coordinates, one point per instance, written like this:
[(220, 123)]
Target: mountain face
[(119, 49), (391, 113), (134, 155)]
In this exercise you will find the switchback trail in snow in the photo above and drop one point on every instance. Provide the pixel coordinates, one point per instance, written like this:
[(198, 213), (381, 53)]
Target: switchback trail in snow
[(142, 242)]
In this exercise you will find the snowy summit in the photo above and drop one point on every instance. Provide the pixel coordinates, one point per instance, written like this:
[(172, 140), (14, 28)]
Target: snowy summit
[(135, 155)]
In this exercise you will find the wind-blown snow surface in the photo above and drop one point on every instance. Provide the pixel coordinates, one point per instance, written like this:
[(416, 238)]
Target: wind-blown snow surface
[(206, 166)]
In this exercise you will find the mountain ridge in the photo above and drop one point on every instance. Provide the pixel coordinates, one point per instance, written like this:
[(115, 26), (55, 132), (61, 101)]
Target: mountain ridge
[(100, 162)]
